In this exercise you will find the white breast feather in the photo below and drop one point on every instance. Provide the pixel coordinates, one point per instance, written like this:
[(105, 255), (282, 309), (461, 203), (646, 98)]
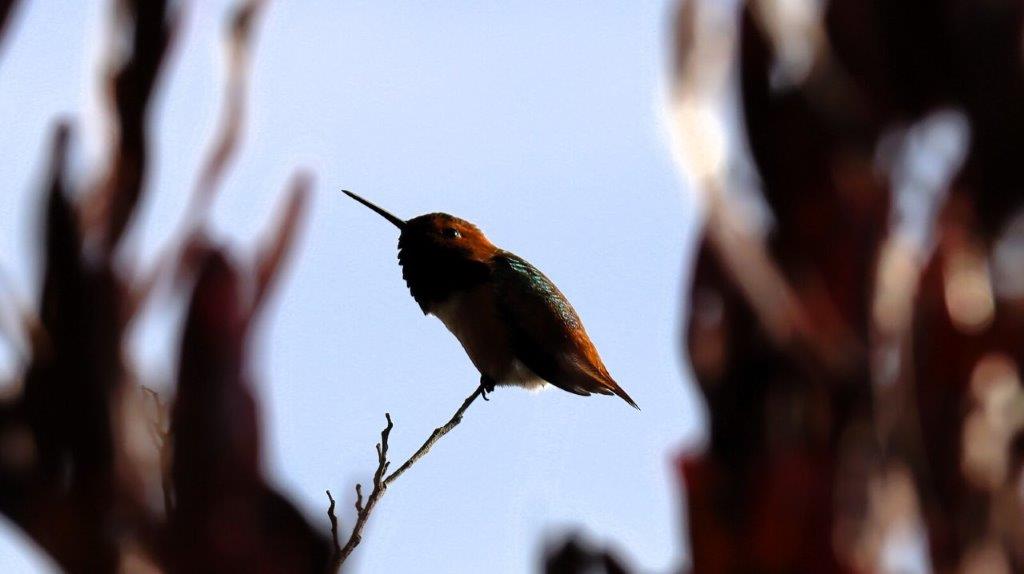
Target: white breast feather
[(448, 313)]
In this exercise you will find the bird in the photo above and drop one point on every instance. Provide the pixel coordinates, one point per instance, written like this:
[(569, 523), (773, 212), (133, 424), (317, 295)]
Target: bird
[(515, 325)]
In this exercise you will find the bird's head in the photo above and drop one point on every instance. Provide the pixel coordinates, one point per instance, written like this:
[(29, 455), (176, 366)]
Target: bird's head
[(437, 235), (443, 236), (439, 253)]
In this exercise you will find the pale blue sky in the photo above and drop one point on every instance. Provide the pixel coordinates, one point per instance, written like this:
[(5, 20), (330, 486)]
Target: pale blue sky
[(539, 122)]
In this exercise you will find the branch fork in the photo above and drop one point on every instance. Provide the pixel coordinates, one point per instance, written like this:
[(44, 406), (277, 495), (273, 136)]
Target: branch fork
[(382, 480)]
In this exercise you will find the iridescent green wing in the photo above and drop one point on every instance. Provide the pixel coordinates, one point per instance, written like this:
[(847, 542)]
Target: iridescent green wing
[(544, 327)]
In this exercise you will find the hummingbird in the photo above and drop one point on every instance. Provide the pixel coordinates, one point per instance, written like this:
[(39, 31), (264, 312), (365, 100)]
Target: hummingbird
[(516, 326)]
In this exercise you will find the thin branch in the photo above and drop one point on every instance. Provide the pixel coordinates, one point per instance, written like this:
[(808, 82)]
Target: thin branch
[(363, 511), (434, 437), (359, 498), (334, 528), (381, 480)]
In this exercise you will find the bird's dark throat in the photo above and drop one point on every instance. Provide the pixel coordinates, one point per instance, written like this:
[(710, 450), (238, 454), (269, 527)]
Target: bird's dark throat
[(434, 276)]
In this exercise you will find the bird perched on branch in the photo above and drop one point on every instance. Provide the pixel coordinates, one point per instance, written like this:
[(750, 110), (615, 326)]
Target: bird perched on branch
[(515, 325)]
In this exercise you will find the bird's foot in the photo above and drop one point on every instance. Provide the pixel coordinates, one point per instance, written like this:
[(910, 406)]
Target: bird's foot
[(486, 386)]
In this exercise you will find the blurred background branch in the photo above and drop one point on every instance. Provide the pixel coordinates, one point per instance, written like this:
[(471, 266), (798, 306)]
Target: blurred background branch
[(6, 9)]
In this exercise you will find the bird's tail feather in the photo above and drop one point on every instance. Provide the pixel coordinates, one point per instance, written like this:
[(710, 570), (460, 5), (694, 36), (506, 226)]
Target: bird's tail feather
[(624, 395), (590, 380)]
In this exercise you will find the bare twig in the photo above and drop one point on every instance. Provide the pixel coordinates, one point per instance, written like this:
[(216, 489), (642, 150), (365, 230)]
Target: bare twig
[(381, 480), (334, 527), (363, 511), (359, 498), (434, 437), (160, 430)]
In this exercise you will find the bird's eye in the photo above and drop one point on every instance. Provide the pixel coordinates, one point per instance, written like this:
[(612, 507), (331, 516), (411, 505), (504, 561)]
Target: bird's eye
[(451, 233)]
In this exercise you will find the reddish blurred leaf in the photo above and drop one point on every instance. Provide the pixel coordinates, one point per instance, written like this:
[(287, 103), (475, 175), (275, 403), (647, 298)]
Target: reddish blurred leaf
[(226, 517), (274, 250), (145, 28)]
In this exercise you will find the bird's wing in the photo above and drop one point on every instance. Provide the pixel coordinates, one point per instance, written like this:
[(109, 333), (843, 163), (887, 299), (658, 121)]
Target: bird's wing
[(547, 334)]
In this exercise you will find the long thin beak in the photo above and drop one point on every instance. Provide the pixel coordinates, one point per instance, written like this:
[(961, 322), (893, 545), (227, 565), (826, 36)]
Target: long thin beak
[(383, 212)]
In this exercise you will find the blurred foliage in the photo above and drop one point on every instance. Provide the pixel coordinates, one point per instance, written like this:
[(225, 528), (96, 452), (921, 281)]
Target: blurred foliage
[(863, 376), (73, 474)]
